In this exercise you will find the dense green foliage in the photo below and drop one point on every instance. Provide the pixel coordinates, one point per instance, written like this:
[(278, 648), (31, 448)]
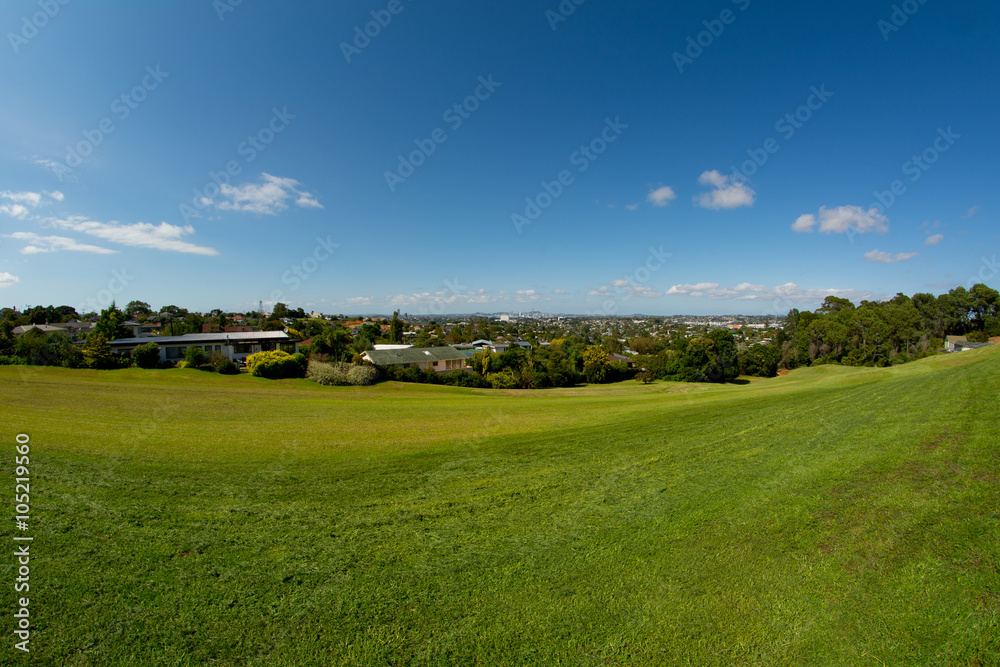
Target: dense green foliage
[(880, 333), (146, 355), (833, 516), (339, 374), (276, 365)]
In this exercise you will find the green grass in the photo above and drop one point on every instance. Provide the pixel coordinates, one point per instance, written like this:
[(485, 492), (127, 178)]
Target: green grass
[(831, 516)]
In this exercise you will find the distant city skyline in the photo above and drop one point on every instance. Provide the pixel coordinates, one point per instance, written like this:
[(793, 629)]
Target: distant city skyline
[(568, 158)]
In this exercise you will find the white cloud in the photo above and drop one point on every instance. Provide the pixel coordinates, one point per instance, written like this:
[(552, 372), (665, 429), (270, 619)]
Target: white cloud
[(14, 210), (631, 207), (359, 301), (688, 289), (934, 240), (7, 279), (625, 289), (41, 244), (729, 192), (780, 297), (661, 196), (30, 198), (804, 223), (559, 291), (139, 234), (886, 258), (842, 218), (266, 198), (972, 212)]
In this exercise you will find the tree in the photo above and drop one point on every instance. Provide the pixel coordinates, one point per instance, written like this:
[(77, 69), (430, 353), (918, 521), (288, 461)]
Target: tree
[(726, 355), (280, 311), (97, 352), (595, 364), (146, 355), (110, 324), (136, 308), (396, 328)]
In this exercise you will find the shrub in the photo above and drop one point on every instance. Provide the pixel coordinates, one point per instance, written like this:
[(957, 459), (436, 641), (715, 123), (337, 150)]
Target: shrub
[(194, 357), (276, 365), (463, 378), (146, 355), (502, 380), (362, 376), (342, 374), (166, 364)]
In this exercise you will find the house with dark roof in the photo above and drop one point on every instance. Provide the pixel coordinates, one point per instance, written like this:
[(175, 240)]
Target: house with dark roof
[(236, 345), (439, 359), (961, 344)]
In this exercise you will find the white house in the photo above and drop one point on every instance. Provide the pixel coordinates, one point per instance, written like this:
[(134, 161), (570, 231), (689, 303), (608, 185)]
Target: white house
[(237, 345)]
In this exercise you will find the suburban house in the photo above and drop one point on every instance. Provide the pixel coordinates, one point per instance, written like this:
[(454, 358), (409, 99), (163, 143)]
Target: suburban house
[(235, 345), (440, 359), (620, 357), (961, 344), (73, 328), (140, 329)]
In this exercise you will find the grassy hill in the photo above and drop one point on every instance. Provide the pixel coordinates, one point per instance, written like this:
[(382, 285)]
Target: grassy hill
[(830, 516)]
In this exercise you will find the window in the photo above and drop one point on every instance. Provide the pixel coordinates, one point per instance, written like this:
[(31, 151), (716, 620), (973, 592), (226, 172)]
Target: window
[(174, 353), (241, 348)]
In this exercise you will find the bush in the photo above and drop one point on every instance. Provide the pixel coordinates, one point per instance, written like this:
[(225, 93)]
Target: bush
[(362, 376), (503, 380), (463, 378), (146, 355), (276, 365), (166, 364), (341, 374), (194, 357), (222, 364)]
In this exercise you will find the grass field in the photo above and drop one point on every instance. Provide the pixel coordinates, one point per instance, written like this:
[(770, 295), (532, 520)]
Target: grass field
[(830, 516)]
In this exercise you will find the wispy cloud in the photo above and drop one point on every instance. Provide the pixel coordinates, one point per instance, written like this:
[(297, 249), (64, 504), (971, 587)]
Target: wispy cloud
[(972, 212), (729, 192), (661, 196), (934, 240), (21, 203), (8, 279), (266, 198), (625, 289), (780, 294), (139, 234), (42, 244), (887, 258), (841, 219)]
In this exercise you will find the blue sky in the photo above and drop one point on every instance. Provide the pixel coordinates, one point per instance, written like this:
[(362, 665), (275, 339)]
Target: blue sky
[(732, 156)]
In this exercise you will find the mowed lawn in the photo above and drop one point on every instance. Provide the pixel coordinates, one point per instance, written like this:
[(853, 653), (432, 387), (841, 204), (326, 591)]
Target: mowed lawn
[(830, 516)]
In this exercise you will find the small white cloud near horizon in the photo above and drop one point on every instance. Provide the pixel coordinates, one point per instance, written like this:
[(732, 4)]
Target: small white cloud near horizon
[(661, 196), (780, 296), (729, 192), (934, 240), (42, 244), (887, 258), (559, 291), (840, 219), (266, 198), (8, 279)]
